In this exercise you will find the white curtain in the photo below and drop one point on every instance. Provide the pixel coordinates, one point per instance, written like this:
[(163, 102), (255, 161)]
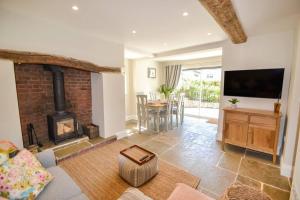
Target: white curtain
[(173, 75)]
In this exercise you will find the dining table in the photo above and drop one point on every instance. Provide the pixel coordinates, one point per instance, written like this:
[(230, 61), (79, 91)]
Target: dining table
[(157, 106)]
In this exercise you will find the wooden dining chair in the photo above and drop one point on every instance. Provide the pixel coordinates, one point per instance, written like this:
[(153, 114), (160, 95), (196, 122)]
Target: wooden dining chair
[(178, 110), (152, 96), (143, 113), (166, 114)]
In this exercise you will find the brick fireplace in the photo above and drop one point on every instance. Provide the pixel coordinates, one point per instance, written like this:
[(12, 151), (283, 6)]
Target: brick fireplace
[(36, 100)]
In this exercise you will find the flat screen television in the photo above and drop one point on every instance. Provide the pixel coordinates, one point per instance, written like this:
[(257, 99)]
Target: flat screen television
[(260, 83)]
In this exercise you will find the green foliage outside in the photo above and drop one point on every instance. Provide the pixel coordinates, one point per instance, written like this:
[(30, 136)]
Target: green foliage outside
[(209, 90)]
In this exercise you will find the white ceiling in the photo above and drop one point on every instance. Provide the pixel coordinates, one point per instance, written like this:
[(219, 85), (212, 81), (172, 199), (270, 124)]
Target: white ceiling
[(159, 24), (259, 16)]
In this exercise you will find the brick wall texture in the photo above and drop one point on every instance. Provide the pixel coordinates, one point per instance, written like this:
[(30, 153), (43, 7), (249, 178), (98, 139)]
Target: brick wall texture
[(35, 97)]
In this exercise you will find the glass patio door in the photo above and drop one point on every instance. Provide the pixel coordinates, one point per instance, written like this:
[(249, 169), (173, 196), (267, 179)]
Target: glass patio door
[(202, 91)]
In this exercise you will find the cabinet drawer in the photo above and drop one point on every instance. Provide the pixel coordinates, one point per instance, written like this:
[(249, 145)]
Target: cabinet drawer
[(236, 117), (264, 121)]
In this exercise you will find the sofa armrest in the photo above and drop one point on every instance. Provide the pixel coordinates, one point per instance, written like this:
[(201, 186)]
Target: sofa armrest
[(47, 158)]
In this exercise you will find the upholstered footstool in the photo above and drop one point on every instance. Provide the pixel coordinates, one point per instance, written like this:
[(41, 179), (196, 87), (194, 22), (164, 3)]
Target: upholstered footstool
[(137, 165)]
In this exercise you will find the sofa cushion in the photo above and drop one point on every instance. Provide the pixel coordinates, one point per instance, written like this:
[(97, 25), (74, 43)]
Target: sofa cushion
[(62, 186), (184, 192), (80, 197), (23, 177)]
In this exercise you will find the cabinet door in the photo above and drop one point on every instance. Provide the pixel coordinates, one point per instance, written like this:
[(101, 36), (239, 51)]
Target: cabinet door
[(261, 138), (236, 133)]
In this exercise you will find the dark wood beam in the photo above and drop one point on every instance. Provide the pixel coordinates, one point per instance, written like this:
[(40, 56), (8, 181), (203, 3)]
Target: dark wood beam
[(38, 58), (225, 15)]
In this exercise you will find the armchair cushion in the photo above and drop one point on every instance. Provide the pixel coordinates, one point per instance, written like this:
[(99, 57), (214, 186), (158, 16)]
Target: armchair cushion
[(183, 192)]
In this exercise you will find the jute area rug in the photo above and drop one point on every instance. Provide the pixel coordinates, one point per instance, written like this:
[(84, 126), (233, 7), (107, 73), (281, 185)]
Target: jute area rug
[(96, 173)]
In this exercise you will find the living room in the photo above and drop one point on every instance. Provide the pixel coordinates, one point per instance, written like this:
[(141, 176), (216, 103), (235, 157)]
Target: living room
[(63, 78)]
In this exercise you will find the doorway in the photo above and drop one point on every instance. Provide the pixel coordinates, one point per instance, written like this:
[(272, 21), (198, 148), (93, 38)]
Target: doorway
[(202, 92)]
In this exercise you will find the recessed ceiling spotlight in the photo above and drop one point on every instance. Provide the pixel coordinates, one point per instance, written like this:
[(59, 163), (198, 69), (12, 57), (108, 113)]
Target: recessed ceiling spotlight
[(133, 32), (75, 7), (209, 34), (184, 14)]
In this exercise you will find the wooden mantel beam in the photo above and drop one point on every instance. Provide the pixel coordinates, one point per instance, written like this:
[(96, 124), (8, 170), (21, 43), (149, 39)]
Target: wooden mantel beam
[(224, 14), (38, 58)]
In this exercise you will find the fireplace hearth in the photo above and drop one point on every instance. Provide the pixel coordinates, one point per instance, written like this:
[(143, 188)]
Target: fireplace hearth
[(62, 125)]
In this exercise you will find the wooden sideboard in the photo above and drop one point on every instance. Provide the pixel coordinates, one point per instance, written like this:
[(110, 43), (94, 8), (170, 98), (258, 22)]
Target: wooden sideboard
[(251, 128)]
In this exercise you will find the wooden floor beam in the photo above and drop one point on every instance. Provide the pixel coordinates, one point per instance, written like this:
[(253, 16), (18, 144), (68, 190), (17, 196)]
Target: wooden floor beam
[(224, 14)]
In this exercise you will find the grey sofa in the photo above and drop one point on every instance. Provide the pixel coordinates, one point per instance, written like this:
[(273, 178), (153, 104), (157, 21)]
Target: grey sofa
[(62, 187)]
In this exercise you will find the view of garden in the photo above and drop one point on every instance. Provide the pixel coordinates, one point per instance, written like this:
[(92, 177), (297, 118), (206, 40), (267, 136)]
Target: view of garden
[(202, 91)]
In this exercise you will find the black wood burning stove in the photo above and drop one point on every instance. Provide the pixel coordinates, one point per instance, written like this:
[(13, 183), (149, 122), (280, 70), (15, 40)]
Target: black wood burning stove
[(61, 124)]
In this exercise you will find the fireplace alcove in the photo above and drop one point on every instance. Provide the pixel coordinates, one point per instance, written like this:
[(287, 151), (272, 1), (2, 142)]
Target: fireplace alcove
[(35, 88), (52, 114)]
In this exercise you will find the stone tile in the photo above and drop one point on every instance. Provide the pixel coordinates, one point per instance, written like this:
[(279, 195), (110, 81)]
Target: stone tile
[(275, 193), (261, 157), (247, 181), (70, 149), (235, 150), (156, 146), (167, 138), (213, 179), (178, 158), (265, 173), (199, 153), (189, 137), (205, 140), (230, 162)]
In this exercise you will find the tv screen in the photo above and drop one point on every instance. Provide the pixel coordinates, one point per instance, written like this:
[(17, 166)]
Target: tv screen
[(261, 83)]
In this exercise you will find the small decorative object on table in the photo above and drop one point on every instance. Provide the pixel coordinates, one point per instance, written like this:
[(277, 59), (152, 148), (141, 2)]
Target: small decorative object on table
[(91, 130), (234, 102), (137, 165), (277, 106)]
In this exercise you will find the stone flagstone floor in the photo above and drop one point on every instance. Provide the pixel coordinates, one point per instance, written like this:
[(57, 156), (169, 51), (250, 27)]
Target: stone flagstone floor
[(193, 147)]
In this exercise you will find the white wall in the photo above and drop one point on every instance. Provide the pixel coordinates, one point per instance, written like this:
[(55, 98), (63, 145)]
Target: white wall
[(293, 112), (137, 73), (108, 103), (10, 126), (140, 73), (129, 93), (295, 192), (264, 51), (24, 33)]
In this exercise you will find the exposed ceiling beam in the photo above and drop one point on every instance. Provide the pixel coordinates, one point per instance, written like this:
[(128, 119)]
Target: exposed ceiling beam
[(38, 58), (225, 15)]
